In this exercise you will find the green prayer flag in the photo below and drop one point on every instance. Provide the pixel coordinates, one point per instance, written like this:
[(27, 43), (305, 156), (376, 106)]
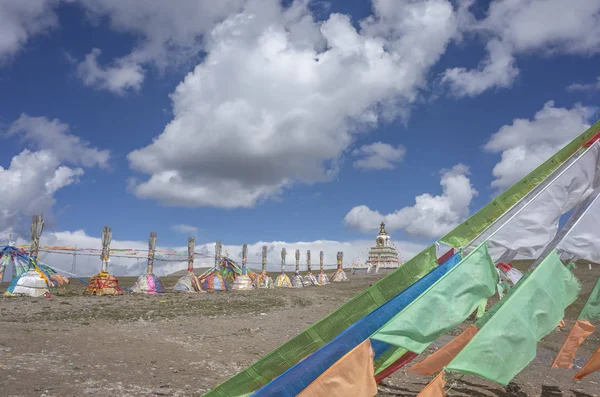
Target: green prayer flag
[(591, 309), (481, 308), (507, 341), (388, 358), (444, 305)]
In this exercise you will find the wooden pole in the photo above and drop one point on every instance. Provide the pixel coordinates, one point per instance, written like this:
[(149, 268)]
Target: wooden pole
[(151, 249), (340, 258), (321, 256), (106, 240), (264, 259), (297, 261), (283, 255), (244, 259), (37, 225), (191, 248), (218, 247), (308, 261)]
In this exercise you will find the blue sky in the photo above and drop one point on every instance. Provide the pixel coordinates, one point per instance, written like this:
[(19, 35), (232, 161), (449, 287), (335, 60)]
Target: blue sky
[(123, 97)]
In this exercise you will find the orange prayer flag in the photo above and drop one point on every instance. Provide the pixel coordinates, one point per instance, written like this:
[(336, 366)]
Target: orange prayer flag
[(438, 360), (435, 388), (580, 331), (591, 366), (351, 375)]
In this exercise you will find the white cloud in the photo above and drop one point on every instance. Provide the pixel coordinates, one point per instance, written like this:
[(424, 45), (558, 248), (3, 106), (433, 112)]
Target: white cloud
[(184, 229), (555, 26), (53, 135), (166, 36), (89, 263), (379, 156), (497, 70), (278, 98), (27, 187), (585, 87), (519, 27), (124, 75), (525, 143), (20, 20), (431, 216)]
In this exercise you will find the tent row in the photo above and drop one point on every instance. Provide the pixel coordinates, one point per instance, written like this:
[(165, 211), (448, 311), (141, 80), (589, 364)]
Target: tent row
[(551, 217)]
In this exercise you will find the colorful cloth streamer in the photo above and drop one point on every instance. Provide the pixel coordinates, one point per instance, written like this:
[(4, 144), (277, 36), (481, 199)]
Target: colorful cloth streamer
[(591, 366), (507, 342), (213, 281), (310, 280), (188, 283), (322, 278), (31, 283), (448, 303), (229, 269), (435, 388), (263, 281), (297, 378), (103, 284), (339, 275), (352, 375), (283, 281), (581, 330), (148, 284), (438, 360)]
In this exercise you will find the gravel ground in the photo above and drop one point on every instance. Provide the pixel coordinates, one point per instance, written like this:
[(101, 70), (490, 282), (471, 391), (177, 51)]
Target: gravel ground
[(183, 344)]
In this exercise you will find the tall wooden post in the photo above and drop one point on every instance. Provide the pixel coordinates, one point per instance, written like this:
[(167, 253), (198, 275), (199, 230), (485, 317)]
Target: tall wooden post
[(218, 248), (106, 240), (151, 250), (283, 255), (191, 248), (339, 274), (264, 259), (322, 279), (244, 259), (321, 256), (308, 266), (297, 261), (37, 225)]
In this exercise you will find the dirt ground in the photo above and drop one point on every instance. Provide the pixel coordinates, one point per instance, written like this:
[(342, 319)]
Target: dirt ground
[(181, 344)]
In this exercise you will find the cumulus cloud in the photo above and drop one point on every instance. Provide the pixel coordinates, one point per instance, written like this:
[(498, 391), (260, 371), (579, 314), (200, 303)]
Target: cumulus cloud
[(518, 27), (124, 75), (278, 98), (431, 216), (184, 229), (585, 87), (28, 185), (20, 20), (54, 136), (378, 156), (89, 263), (165, 36), (497, 70), (525, 143)]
